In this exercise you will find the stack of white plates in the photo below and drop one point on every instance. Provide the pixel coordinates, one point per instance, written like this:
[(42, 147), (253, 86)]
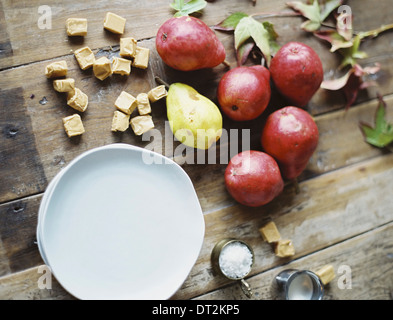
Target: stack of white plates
[(120, 222)]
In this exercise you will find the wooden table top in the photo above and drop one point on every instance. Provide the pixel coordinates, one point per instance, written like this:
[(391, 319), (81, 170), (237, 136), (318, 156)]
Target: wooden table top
[(343, 214)]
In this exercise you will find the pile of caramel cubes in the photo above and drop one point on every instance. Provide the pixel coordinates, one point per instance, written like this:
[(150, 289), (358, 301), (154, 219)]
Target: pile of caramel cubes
[(130, 55)]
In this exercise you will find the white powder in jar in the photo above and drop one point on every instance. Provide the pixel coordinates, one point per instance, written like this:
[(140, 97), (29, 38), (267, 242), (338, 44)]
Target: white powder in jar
[(235, 260)]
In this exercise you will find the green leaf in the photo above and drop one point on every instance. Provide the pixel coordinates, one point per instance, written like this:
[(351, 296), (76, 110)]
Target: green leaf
[(351, 54), (336, 40), (328, 8), (231, 22), (314, 12), (261, 38), (310, 25), (309, 11), (274, 46), (382, 133), (177, 4), (249, 27), (185, 9), (242, 31)]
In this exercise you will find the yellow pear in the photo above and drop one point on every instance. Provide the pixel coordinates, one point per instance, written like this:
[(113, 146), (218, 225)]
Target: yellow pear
[(194, 119)]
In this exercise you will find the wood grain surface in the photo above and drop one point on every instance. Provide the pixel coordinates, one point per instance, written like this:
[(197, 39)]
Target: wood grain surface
[(341, 216)]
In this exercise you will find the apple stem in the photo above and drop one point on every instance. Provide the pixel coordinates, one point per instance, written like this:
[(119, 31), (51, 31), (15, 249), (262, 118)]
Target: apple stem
[(296, 185), (160, 81)]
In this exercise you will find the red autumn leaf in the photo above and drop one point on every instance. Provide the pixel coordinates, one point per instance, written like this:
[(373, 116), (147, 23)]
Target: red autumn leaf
[(352, 82)]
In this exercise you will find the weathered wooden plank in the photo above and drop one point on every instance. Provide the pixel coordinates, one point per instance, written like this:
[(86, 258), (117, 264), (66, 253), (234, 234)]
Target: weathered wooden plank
[(18, 247), (26, 285), (329, 209), (29, 40), (308, 218), (364, 262), (5, 43), (18, 148), (32, 42)]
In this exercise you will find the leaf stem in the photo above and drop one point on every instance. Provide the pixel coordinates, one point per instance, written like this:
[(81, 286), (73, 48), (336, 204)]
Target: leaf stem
[(296, 185), (275, 14), (324, 24), (375, 32)]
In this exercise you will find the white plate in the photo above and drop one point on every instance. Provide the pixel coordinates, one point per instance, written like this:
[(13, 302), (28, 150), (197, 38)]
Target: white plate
[(114, 227)]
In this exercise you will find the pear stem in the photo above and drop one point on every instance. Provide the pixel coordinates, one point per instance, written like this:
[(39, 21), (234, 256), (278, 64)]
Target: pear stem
[(389, 148), (160, 81), (226, 63)]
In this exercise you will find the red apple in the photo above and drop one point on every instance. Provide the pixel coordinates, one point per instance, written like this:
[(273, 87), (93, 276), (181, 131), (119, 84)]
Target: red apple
[(253, 178), (290, 136), (244, 92), (297, 72)]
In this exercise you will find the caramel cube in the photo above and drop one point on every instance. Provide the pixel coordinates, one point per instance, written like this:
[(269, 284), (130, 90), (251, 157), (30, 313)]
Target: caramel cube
[(77, 100), (326, 274), (143, 104), (76, 27), (64, 85), (120, 121), (56, 69), (284, 248), (73, 125), (102, 68), (114, 23), (121, 66), (85, 57), (141, 59), (127, 47), (125, 102), (157, 93), (141, 124), (270, 232)]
